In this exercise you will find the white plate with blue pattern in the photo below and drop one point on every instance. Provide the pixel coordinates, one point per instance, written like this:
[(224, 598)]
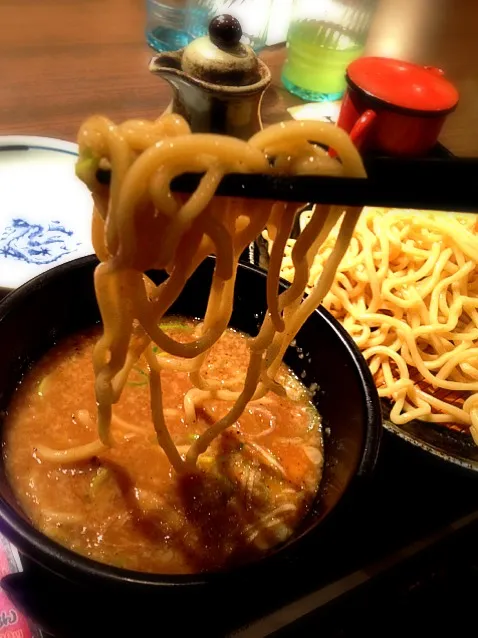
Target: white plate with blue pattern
[(45, 211)]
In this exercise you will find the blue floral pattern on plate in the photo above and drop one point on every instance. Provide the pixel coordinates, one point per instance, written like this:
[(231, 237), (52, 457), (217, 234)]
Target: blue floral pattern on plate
[(45, 212), (35, 243)]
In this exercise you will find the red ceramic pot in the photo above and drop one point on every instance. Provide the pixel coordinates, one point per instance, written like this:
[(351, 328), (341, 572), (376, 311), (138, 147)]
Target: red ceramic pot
[(395, 107)]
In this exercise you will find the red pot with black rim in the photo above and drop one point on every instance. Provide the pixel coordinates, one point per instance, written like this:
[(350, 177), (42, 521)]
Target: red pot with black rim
[(395, 107)]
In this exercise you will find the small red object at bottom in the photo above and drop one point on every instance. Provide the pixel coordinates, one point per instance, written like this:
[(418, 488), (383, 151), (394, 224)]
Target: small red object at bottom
[(12, 623)]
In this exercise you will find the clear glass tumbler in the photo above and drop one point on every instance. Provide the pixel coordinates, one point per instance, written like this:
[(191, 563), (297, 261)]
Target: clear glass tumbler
[(324, 37), (252, 14), (167, 24)]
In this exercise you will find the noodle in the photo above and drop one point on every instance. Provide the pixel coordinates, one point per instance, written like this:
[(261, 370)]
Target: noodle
[(140, 224), (407, 292)]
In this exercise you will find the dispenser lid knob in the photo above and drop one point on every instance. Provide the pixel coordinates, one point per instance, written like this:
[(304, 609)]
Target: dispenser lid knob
[(225, 30)]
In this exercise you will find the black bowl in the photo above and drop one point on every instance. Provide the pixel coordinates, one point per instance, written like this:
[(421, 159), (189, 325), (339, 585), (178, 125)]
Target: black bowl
[(62, 301)]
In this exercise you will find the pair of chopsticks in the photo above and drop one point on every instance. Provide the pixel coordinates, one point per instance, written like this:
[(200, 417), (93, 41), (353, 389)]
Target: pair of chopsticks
[(448, 184)]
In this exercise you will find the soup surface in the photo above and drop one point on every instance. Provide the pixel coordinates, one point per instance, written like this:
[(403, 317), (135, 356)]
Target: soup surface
[(127, 507)]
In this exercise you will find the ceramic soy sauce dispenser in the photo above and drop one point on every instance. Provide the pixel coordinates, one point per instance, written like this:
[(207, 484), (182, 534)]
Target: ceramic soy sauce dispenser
[(217, 81)]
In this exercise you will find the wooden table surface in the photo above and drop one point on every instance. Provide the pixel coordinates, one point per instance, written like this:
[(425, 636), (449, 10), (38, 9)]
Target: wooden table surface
[(62, 60)]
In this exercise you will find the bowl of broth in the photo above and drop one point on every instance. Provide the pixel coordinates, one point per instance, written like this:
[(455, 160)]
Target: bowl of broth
[(123, 521)]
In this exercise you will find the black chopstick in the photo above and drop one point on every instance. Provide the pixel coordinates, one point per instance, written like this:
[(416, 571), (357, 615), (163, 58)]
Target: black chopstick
[(431, 184), (448, 184)]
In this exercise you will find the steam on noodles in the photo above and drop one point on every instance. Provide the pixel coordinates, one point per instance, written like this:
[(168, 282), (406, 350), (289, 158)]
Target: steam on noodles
[(139, 224), (407, 292)]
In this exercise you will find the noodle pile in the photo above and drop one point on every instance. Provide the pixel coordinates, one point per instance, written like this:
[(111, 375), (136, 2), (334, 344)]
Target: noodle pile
[(140, 224), (407, 292)]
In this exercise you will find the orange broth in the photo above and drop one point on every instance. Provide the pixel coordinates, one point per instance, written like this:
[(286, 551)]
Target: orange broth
[(127, 507)]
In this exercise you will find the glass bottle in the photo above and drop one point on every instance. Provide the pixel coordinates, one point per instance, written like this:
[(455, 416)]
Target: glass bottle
[(324, 37), (167, 24)]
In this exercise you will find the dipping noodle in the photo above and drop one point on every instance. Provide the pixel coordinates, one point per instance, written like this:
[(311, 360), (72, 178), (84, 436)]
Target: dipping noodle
[(180, 450), (407, 292)]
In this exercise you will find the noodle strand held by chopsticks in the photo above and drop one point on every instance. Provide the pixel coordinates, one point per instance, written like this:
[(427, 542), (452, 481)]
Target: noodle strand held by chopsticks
[(407, 292), (140, 224)]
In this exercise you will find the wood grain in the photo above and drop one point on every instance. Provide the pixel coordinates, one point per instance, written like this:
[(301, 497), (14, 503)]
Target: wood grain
[(62, 60)]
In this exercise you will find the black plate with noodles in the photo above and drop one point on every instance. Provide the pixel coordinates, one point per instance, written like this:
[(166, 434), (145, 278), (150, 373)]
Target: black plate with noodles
[(446, 443), (407, 291)]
